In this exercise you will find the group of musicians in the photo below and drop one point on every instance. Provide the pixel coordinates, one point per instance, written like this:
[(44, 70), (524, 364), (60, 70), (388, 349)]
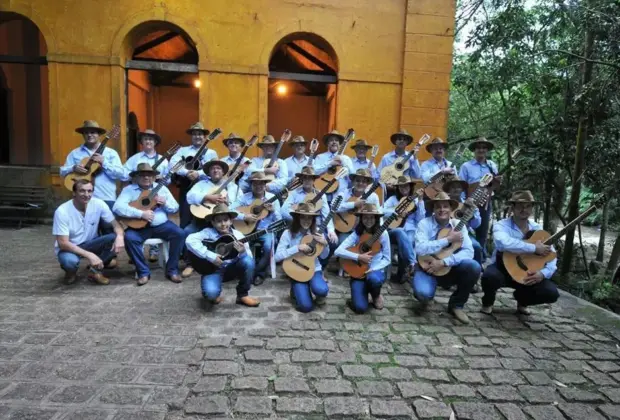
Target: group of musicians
[(91, 224)]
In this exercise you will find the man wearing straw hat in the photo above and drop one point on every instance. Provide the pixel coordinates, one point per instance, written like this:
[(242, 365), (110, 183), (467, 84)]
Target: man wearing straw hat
[(471, 172), (241, 267), (158, 227), (149, 140), (508, 235), (401, 141), (360, 161), (438, 162), (299, 159), (330, 158), (184, 177), (464, 270), (105, 182), (234, 143), (279, 169)]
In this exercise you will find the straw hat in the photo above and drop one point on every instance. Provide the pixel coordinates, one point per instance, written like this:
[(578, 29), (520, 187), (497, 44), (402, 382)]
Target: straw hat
[(482, 141), (149, 133), (90, 125), (405, 180), (143, 168), (221, 209), (233, 136), (297, 140), (522, 196), (197, 127), (369, 208), (305, 209), (361, 143), (362, 173), (455, 180), (258, 176), (307, 171), (442, 196), (402, 133), (436, 140), (333, 133), (268, 139), (207, 166)]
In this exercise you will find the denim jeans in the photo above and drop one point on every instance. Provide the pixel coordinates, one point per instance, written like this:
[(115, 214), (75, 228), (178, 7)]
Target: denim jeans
[(266, 242), (360, 288), (463, 275), (101, 246), (303, 291), (495, 277), (243, 269), (482, 232), (134, 240), (105, 227), (185, 215), (404, 247)]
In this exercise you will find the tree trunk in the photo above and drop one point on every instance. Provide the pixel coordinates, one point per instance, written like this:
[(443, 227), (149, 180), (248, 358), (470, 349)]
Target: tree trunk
[(582, 134), (548, 192), (615, 256), (600, 252)]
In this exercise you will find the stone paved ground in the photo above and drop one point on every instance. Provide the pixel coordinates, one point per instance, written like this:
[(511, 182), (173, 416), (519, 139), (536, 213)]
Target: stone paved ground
[(123, 352)]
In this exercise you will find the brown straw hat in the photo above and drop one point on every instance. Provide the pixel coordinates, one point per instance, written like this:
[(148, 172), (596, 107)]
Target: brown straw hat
[(362, 173), (305, 209), (149, 133), (436, 140), (402, 133), (333, 133), (258, 176), (482, 141), (90, 125), (522, 196), (307, 171), (207, 166), (197, 127), (369, 208), (233, 136), (361, 143), (442, 196), (455, 180), (221, 209), (297, 140), (143, 168), (268, 139)]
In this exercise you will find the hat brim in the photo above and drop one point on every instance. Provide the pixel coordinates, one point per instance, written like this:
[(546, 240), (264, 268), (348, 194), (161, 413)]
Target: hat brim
[(328, 135), (472, 146), (234, 138), (231, 213), (293, 143), (353, 176), (304, 213), (394, 136), (453, 203), (99, 130), (143, 134), (207, 166), (315, 176), (203, 130), (428, 147), (265, 180), (135, 173), (261, 144), (523, 201), (369, 213), (365, 146)]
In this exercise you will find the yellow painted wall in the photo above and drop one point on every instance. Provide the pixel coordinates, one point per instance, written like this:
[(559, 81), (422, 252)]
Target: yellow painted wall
[(393, 60)]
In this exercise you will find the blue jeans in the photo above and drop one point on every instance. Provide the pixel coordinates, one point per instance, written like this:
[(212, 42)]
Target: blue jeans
[(404, 247), (266, 241), (101, 246), (243, 269), (185, 215), (105, 227), (478, 252), (303, 291), (463, 275), (360, 288), (134, 240), (483, 230)]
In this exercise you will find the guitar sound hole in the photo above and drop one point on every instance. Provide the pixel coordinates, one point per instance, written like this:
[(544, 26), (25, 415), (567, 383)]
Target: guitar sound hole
[(400, 166), (312, 249), (222, 249), (364, 248), (145, 202), (256, 210)]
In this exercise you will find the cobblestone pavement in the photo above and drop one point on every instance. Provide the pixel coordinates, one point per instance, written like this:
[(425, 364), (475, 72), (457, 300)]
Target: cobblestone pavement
[(123, 352)]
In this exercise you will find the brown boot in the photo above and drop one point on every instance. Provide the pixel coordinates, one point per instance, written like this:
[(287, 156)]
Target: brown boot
[(70, 277), (189, 270), (143, 280), (98, 278), (175, 278), (112, 264), (248, 301)]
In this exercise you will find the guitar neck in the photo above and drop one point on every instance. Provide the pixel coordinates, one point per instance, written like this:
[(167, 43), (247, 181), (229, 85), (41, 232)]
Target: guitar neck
[(563, 231), (99, 151), (274, 158), (372, 189), (159, 162), (312, 157), (323, 191), (240, 159), (408, 155), (253, 236), (382, 228)]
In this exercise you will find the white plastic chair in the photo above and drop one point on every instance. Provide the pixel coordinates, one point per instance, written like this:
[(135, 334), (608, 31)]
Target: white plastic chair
[(164, 251)]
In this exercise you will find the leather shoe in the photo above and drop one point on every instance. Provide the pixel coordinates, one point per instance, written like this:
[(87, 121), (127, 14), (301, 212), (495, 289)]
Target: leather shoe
[(112, 264), (70, 277), (248, 301), (175, 278), (460, 315), (188, 271), (98, 278), (143, 280)]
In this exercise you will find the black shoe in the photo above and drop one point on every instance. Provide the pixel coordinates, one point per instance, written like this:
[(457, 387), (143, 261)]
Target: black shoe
[(258, 280)]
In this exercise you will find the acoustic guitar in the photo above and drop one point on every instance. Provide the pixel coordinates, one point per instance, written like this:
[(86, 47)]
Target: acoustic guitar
[(192, 163), (390, 174), (169, 153), (146, 200), (478, 197), (203, 209), (93, 168), (301, 266), (370, 243), (257, 208), (345, 221), (400, 219), (314, 150), (242, 156), (518, 265), (286, 136), (435, 184), (224, 246), (496, 183), (316, 199), (330, 174)]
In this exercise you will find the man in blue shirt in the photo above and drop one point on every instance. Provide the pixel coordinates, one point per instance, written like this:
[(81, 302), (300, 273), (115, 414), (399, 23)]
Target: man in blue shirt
[(333, 140), (471, 172), (299, 159), (464, 270), (278, 172), (234, 143), (401, 141), (149, 140), (508, 235), (360, 161), (158, 225)]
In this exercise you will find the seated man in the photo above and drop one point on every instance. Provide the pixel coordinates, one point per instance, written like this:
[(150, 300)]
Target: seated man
[(456, 189), (75, 225), (158, 225), (464, 270), (242, 266), (508, 236)]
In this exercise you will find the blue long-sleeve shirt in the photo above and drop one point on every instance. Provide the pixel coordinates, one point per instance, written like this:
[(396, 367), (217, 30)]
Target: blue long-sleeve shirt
[(195, 245), (427, 244), (186, 151), (132, 192), (247, 199), (295, 165), (378, 262), (141, 157), (202, 188), (472, 171), (289, 246), (322, 162), (105, 182), (390, 158), (257, 165), (431, 167), (507, 237), (412, 220), (297, 196)]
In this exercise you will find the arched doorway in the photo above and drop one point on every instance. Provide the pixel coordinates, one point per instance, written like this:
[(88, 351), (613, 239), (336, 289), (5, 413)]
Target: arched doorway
[(162, 81), (303, 79), (24, 93)]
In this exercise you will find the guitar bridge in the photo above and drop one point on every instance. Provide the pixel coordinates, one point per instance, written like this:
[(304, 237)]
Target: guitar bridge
[(521, 264), (297, 263)]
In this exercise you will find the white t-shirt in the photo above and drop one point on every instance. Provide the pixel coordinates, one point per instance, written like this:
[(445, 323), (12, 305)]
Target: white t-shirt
[(80, 228)]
